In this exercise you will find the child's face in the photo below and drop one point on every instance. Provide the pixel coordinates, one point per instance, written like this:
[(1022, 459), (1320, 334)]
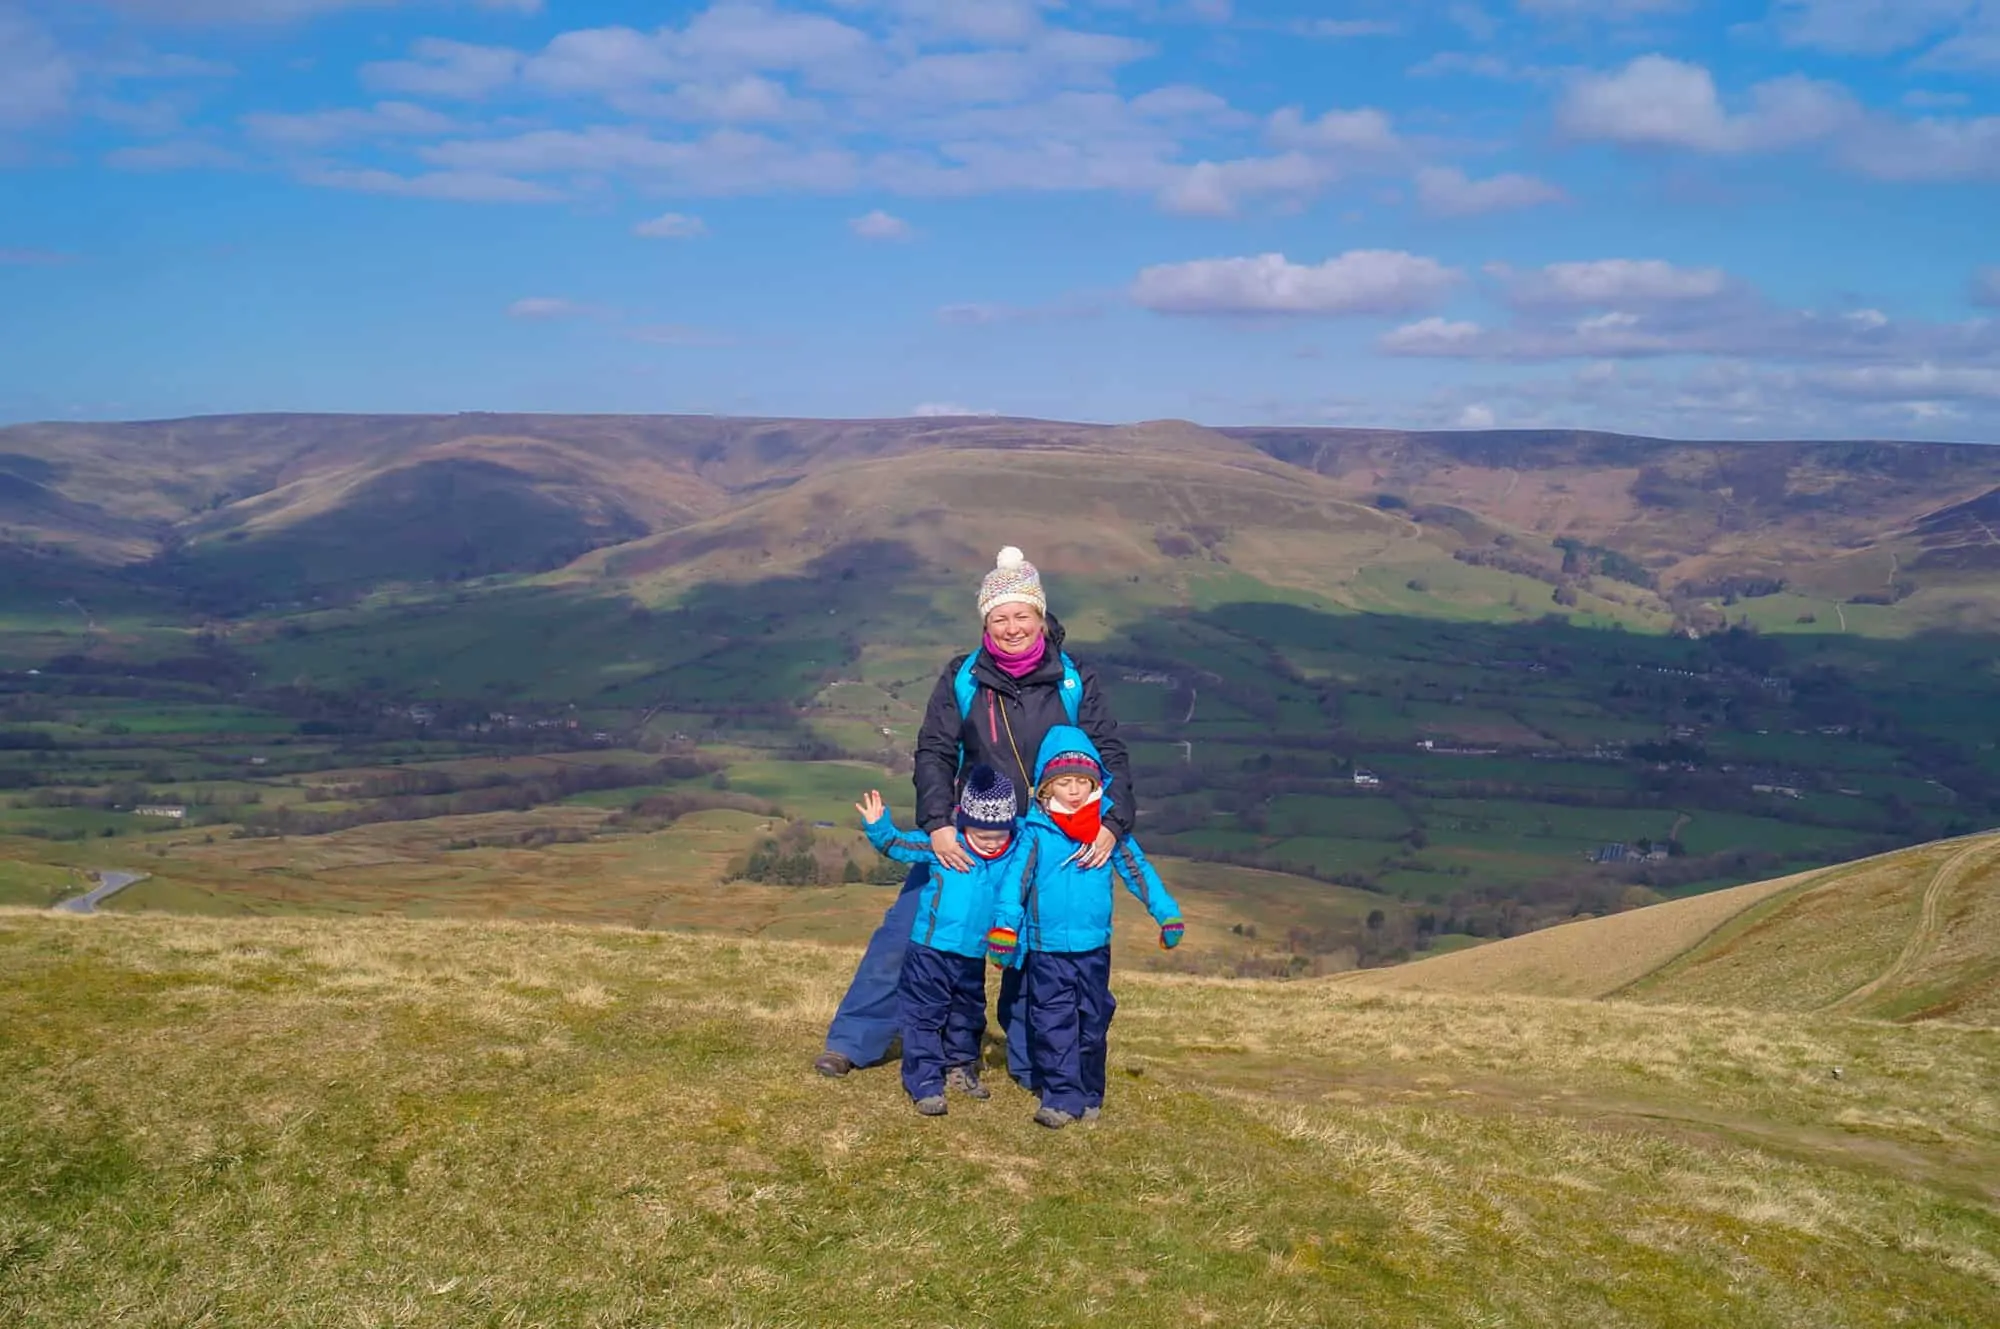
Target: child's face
[(988, 842), (1071, 789)]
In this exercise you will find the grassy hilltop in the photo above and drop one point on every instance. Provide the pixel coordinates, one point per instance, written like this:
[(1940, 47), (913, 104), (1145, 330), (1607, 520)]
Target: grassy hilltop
[(279, 1122)]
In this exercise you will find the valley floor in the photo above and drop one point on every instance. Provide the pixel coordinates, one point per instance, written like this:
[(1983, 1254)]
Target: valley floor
[(378, 1121)]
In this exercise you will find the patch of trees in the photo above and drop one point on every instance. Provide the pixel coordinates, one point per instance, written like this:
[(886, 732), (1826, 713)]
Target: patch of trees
[(658, 811), (1896, 592), (796, 856), (1671, 752), (417, 796), (1507, 560), (1587, 560), (1731, 589)]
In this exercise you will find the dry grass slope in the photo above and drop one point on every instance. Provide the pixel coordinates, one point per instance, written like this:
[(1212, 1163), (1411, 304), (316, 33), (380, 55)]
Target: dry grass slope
[(1594, 958), (290, 1122), (1909, 935)]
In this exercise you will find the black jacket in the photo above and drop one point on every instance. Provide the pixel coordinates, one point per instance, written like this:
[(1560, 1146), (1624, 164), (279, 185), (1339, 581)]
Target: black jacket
[(1009, 717)]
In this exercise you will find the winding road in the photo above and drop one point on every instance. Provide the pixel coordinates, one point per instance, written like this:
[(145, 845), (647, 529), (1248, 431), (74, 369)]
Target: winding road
[(108, 885)]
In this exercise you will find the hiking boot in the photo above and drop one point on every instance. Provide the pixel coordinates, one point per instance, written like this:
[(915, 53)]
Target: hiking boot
[(1053, 1118), (832, 1065), (1091, 1114), (932, 1106), (966, 1081)]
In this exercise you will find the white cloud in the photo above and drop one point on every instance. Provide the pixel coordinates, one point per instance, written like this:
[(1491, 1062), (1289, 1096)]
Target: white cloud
[(1866, 27), (1219, 189), (1432, 336), (36, 79), (597, 60), (1657, 101), (1977, 49), (946, 409), (1176, 100), (1314, 154), (879, 225), (448, 69), (174, 155), (1928, 149), (1365, 130), (1446, 191), (1361, 281), (1910, 383), (1985, 288), (1477, 415), (1739, 327), (1609, 281), (382, 120), (723, 162), (671, 226), (986, 22), (550, 307), (458, 186)]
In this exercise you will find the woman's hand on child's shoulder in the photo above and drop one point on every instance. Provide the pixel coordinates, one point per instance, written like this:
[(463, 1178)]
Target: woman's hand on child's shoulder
[(871, 806)]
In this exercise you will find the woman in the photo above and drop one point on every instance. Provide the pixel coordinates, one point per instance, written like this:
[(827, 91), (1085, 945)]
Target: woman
[(993, 708)]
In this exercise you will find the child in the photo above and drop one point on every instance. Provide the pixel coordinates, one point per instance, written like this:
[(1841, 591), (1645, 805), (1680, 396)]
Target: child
[(941, 994), (1060, 917)]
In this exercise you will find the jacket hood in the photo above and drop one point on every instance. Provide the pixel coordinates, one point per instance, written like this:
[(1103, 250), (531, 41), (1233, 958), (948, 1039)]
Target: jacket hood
[(1068, 738)]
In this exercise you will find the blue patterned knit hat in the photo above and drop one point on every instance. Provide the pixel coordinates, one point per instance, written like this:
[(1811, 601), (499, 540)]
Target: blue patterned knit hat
[(988, 803)]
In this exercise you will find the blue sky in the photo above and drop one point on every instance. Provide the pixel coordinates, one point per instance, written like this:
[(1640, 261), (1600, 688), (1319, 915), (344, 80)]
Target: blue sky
[(1777, 218)]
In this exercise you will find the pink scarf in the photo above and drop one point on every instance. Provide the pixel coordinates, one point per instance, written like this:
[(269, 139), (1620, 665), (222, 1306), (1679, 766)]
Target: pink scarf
[(1018, 666)]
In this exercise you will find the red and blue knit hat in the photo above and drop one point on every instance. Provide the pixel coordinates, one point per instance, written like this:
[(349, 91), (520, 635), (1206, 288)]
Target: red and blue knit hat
[(988, 802), (1072, 763)]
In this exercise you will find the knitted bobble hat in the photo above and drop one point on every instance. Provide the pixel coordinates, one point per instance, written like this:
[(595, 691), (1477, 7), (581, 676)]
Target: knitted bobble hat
[(1072, 763), (1012, 581), (988, 803)]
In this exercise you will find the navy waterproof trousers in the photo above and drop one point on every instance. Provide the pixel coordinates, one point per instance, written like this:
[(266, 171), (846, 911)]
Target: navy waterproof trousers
[(942, 1003), (865, 1026), (1068, 996)]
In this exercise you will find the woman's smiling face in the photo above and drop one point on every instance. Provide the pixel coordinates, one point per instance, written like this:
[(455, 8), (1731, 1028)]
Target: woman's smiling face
[(1014, 627)]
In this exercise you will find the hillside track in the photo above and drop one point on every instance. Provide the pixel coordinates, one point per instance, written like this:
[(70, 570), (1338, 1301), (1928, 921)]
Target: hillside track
[(1929, 927)]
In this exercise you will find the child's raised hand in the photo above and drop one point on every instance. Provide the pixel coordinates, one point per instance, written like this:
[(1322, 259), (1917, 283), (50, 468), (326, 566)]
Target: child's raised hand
[(871, 806)]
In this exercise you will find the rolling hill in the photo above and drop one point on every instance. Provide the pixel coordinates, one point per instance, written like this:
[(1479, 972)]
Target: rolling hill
[(1913, 935), (240, 511)]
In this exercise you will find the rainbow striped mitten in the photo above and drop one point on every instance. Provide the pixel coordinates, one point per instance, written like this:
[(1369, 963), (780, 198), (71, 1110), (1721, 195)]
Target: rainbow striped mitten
[(1170, 933), (1001, 944)]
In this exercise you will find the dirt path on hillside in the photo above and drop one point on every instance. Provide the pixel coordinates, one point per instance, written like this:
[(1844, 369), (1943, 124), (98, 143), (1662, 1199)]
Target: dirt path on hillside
[(1930, 924)]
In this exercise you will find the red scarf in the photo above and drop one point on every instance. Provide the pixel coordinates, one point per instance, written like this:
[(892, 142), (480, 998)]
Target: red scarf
[(1081, 825), (977, 852)]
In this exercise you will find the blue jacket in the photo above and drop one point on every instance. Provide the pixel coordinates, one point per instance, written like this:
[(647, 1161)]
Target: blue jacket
[(956, 908), (1053, 902)]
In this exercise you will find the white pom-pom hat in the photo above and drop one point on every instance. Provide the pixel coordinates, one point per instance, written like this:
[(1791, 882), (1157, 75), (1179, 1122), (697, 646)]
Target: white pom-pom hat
[(1012, 581)]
